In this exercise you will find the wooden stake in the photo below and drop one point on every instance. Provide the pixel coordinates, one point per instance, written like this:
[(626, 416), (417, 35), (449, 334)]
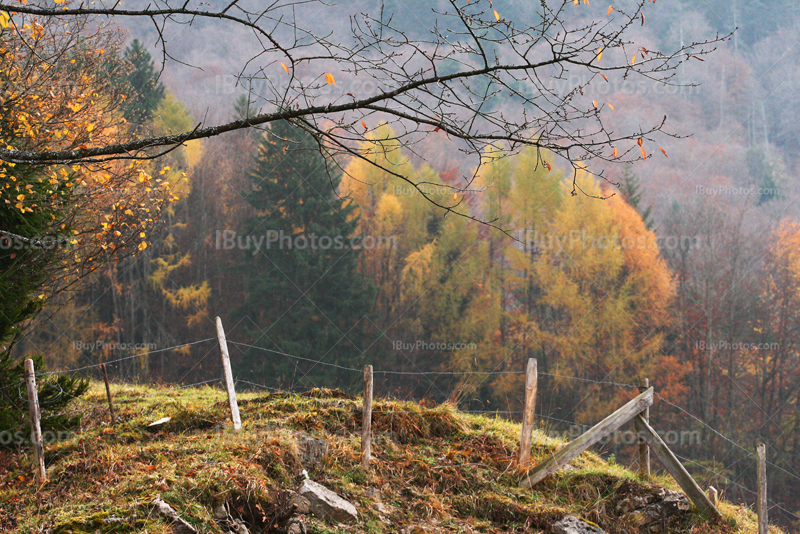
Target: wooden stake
[(676, 469), (366, 425), (108, 393), (761, 459), (531, 383), (226, 368), (36, 425), (589, 438), (644, 450)]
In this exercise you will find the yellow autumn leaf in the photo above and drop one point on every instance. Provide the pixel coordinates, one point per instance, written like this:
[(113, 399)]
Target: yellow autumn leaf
[(633, 61), (142, 245), (615, 153), (20, 197), (285, 67), (496, 15), (594, 103), (600, 54), (330, 79), (4, 18), (611, 106)]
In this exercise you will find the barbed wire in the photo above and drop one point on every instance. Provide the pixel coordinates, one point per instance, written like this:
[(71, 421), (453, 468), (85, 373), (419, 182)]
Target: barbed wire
[(726, 438), (426, 373), (147, 353)]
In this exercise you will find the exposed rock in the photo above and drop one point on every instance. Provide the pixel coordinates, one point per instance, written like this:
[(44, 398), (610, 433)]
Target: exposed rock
[(380, 508), (572, 525), (220, 512), (325, 504), (311, 449), (653, 511), (179, 526), (299, 504)]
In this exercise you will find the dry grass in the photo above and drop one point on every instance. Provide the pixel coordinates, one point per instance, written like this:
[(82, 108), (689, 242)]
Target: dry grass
[(435, 470)]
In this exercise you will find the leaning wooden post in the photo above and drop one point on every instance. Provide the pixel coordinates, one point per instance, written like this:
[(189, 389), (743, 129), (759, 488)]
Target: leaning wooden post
[(531, 382), (108, 393), (36, 425), (761, 458), (366, 425), (226, 367), (644, 450)]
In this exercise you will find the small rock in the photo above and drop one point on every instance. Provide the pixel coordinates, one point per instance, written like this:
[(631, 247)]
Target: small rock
[(300, 504), (220, 512), (179, 526), (380, 508), (572, 525), (326, 504), (311, 449)]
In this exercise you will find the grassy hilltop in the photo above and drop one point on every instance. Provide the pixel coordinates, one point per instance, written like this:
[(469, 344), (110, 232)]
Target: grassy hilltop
[(433, 469)]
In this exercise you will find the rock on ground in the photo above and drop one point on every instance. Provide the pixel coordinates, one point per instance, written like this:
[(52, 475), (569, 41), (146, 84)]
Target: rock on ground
[(325, 504), (179, 526), (572, 525)]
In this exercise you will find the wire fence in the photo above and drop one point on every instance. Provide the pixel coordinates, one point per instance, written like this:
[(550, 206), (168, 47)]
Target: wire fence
[(94, 407)]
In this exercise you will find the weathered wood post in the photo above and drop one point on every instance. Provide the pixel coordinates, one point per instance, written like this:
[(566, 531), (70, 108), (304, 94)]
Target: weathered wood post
[(226, 367), (108, 393), (36, 426), (761, 459), (644, 450), (531, 384), (366, 424)]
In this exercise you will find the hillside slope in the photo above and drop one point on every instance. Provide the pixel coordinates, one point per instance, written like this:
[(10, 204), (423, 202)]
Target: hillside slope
[(433, 470)]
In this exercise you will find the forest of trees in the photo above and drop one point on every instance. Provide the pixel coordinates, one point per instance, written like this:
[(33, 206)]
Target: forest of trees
[(683, 267)]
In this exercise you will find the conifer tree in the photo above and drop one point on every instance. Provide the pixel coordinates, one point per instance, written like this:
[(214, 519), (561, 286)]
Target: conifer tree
[(146, 91), (304, 294)]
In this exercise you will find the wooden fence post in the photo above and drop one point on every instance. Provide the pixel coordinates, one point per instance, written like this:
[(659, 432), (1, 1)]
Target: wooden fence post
[(644, 450), (531, 383), (761, 459), (676, 469), (226, 367), (108, 393), (36, 426), (366, 424)]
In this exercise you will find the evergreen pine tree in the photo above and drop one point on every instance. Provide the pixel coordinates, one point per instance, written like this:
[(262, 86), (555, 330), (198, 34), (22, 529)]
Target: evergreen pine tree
[(631, 189), (146, 91), (304, 294)]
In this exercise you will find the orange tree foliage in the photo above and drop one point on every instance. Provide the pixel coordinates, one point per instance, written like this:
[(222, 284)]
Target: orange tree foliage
[(59, 88)]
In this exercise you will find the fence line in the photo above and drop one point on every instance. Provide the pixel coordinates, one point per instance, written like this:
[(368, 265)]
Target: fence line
[(148, 353), (726, 438)]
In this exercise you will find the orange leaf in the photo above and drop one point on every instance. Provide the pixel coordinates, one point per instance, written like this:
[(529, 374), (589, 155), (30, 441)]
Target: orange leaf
[(664, 151), (285, 67), (594, 103), (330, 79), (604, 77), (549, 168), (496, 15), (644, 154), (611, 106), (640, 141), (610, 9), (455, 196), (633, 61), (615, 153), (364, 125)]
